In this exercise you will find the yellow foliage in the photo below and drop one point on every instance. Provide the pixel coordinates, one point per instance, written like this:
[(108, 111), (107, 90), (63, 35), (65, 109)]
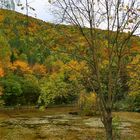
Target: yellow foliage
[(57, 66), (105, 62), (76, 66), (134, 67), (72, 77), (134, 73), (88, 103), (1, 18), (54, 75), (76, 69), (88, 97)]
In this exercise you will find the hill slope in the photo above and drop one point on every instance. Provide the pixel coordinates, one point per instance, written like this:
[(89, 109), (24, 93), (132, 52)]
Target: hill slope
[(33, 38), (37, 59)]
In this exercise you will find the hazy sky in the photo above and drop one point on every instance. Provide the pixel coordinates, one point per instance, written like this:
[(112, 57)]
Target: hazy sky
[(42, 9)]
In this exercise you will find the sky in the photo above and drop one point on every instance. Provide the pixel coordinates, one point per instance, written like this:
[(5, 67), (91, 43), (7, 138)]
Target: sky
[(42, 9)]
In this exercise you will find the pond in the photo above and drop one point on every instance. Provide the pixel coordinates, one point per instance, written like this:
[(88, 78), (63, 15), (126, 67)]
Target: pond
[(58, 124)]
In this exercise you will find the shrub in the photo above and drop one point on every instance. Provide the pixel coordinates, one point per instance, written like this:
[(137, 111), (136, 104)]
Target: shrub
[(133, 101), (87, 103)]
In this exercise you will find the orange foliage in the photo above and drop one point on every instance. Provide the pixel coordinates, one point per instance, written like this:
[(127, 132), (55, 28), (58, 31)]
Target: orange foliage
[(1, 72), (39, 69), (21, 67)]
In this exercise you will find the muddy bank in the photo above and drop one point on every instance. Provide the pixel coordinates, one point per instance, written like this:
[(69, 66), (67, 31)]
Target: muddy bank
[(58, 124)]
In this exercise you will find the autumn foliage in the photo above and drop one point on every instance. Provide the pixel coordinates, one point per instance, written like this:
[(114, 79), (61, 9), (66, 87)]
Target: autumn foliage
[(36, 69), (1, 72)]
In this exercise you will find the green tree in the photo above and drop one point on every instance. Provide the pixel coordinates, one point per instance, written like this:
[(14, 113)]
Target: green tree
[(11, 90), (31, 89), (57, 88)]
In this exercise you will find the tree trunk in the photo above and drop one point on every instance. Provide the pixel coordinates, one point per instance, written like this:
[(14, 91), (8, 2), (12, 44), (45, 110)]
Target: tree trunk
[(108, 126)]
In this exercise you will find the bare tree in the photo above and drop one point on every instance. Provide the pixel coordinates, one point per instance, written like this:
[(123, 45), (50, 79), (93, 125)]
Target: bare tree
[(121, 20), (7, 4)]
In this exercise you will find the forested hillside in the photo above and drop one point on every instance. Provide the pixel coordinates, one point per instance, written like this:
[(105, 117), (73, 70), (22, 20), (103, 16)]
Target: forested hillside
[(39, 64)]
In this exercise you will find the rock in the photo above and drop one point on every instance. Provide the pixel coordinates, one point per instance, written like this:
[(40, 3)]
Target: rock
[(73, 113)]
